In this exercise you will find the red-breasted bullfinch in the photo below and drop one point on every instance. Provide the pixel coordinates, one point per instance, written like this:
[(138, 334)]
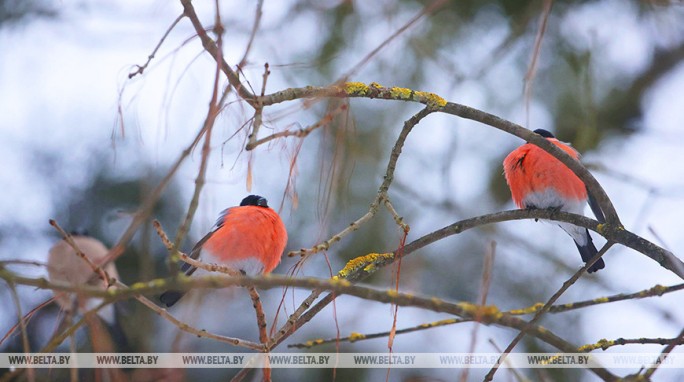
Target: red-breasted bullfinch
[(539, 180), (64, 265), (249, 238)]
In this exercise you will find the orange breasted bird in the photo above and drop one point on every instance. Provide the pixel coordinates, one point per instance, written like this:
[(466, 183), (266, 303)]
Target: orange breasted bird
[(249, 238), (539, 180)]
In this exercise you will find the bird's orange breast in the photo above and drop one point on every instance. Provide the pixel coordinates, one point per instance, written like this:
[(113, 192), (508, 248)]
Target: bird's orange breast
[(249, 232), (530, 169)]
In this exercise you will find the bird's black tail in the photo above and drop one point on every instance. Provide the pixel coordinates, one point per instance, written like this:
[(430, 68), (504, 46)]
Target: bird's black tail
[(170, 297), (117, 331), (588, 251)]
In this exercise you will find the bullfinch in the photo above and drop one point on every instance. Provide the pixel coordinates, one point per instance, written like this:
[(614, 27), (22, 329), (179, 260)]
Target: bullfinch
[(539, 180), (249, 238), (64, 265)]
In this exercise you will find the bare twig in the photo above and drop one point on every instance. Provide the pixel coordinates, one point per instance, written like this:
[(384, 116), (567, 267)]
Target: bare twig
[(22, 326), (537, 316), (382, 191), (657, 290), (355, 337), (210, 119), (436, 4), (299, 133), (211, 47), (604, 344), (141, 215), (197, 332), (260, 316), (141, 69), (26, 318), (257, 120), (484, 292), (261, 324), (187, 259), (668, 349), (532, 69), (255, 27), (56, 341), (290, 325), (97, 268)]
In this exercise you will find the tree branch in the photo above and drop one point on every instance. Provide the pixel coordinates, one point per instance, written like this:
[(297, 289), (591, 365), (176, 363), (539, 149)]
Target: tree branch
[(211, 47), (437, 103)]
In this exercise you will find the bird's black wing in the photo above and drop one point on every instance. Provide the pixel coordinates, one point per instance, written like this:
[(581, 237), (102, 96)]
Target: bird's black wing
[(595, 208)]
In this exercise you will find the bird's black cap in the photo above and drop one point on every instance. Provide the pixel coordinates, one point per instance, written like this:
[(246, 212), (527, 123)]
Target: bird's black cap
[(254, 200), (544, 133)]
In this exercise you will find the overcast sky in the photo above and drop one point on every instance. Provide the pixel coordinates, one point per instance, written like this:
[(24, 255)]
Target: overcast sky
[(62, 81)]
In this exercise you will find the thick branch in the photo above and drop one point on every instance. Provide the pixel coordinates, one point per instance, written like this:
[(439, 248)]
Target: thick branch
[(486, 314)]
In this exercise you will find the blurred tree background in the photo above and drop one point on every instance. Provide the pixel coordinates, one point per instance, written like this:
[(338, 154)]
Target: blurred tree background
[(601, 75)]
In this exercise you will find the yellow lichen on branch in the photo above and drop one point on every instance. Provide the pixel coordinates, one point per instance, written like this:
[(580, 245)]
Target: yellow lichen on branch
[(529, 310), (356, 88), (354, 336), (366, 262), (487, 313), (375, 90), (601, 344)]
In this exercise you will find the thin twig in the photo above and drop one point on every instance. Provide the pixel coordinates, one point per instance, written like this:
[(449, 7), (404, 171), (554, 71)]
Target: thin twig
[(187, 259), (22, 326), (97, 269), (424, 12), (143, 212), (355, 337), (486, 280), (299, 133), (258, 113), (657, 290), (290, 325), (537, 316), (395, 215), (141, 69), (210, 46), (508, 363), (532, 69), (197, 332), (26, 318), (252, 35), (382, 191), (605, 344), (261, 324), (668, 349), (325, 245), (210, 119), (260, 316)]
